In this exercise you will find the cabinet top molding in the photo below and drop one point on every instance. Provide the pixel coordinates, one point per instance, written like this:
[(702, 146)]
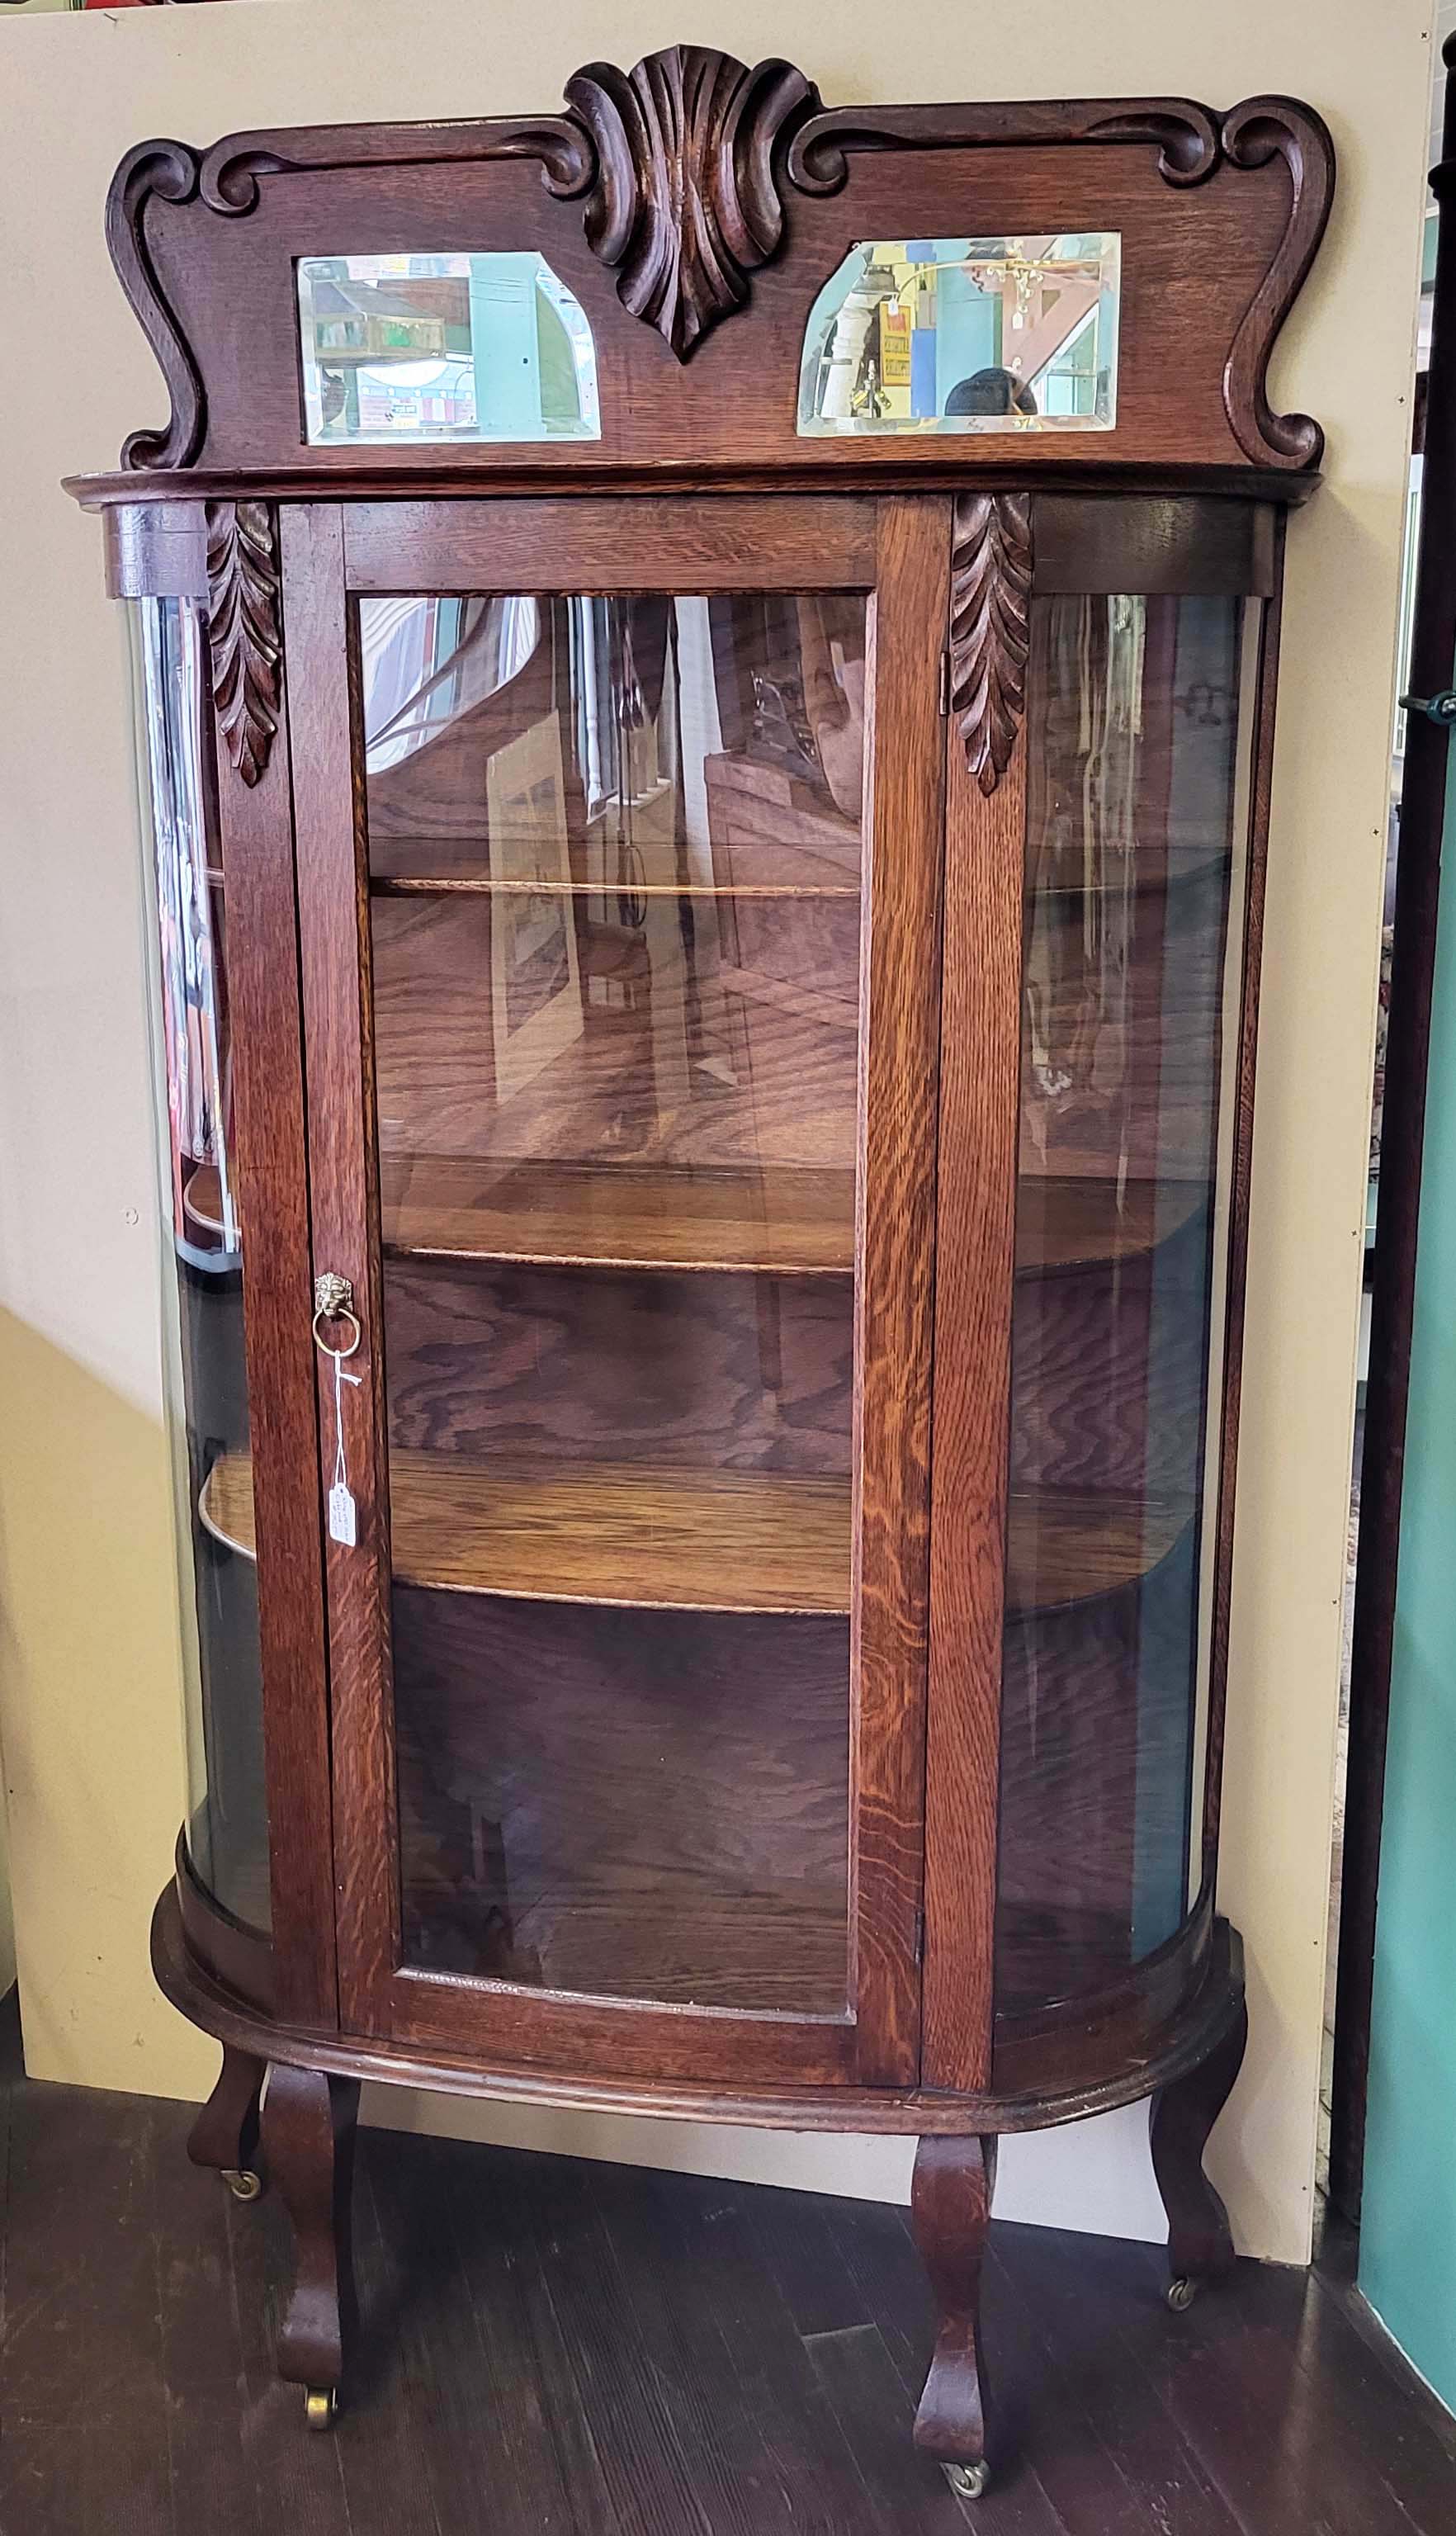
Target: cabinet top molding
[(692, 188)]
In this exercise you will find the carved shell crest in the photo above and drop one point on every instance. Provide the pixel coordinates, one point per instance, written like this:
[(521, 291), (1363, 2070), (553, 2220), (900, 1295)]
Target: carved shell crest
[(686, 202)]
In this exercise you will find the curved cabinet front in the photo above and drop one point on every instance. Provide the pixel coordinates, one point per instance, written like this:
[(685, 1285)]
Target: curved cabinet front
[(207, 1387), (1138, 733)]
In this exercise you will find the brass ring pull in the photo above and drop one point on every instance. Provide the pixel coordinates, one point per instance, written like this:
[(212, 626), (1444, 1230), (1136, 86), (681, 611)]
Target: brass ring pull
[(321, 1343)]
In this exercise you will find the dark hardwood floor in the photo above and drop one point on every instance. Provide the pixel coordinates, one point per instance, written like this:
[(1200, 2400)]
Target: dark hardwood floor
[(561, 2349)]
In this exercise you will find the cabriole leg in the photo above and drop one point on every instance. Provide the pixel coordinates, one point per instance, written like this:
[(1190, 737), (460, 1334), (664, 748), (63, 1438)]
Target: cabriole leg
[(224, 2135), (309, 2134), (1200, 2246), (950, 2213)]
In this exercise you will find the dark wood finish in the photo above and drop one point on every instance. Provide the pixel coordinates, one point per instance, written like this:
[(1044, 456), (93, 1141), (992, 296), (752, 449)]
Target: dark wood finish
[(1059, 2065), (990, 585), (256, 833), (778, 1901), (1200, 2244), (905, 776), (1121, 542), (224, 2135), (238, 1956), (309, 2134), (603, 1532), (243, 630), (1261, 129), (569, 1367), (1219, 216), (792, 1222), (1189, 150), (950, 2210), (569, 1822), (685, 202), (613, 1532), (1424, 781), (723, 543), (335, 946), (974, 1250)]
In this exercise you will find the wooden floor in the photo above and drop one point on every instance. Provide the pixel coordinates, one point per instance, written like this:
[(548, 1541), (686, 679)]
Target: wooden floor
[(553, 2347)]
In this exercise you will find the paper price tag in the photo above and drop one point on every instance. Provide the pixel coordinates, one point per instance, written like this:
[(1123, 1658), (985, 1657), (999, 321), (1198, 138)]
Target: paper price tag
[(343, 1516)]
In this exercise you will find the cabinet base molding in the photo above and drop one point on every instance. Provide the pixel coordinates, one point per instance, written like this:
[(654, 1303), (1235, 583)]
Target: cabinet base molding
[(1188, 2066)]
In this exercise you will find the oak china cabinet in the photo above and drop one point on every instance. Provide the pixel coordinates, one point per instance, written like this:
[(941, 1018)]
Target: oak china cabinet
[(704, 671)]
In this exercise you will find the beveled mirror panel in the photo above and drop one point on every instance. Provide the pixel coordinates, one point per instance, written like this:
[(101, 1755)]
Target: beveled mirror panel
[(411, 348), (966, 335)]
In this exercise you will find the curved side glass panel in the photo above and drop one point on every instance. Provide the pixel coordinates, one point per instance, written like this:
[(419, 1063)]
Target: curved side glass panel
[(406, 349), (966, 335), (203, 1293), (1136, 813)]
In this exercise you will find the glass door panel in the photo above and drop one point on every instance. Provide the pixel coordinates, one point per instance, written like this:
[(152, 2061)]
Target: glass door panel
[(1137, 752), (615, 851)]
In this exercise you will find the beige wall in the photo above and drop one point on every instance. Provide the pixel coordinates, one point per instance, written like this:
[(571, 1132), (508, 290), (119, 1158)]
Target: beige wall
[(90, 1703)]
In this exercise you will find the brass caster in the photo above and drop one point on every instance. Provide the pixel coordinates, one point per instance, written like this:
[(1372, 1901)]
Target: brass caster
[(1181, 2293), (320, 2404), (968, 2482), (242, 2182)]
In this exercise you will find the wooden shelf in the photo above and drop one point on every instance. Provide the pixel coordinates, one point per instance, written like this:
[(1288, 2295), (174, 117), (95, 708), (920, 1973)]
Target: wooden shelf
[(783, 1222), (1067, 1222), (480, 885), (694, 1540), (1072, 1545), (1146, 872), (688, 1541)]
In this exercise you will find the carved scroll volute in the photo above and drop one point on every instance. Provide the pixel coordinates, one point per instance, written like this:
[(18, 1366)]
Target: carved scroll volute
[(686, 202), (244, 631), (990, 626)]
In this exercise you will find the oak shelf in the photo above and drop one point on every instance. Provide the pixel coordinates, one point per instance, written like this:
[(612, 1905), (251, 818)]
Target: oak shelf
[(1067, 1222), (783, 1222), (695, 1539), (481, 885), (684, 1540)]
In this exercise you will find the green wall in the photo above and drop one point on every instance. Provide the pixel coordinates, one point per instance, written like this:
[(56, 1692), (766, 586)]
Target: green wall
[(1407, 2231)]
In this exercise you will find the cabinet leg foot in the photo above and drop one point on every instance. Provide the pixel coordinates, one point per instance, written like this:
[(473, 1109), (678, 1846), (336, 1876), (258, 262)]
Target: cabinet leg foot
[(308, 2134), (1200, 2246), (950, 2213), (224, 2135)]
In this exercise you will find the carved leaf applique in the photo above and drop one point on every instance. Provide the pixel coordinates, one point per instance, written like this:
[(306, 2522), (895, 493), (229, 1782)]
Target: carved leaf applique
[(244, 631), (990, 626)]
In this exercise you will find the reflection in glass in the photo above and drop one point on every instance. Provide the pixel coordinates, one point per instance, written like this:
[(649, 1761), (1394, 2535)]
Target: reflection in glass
[(427, 348), (1133, 877), (228, 1826), (616, 865), (966, 335)]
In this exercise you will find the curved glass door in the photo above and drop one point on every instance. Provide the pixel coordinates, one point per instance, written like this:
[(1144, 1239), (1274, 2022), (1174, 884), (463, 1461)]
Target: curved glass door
[(616, 866), (1136, 811), (203, 1300)]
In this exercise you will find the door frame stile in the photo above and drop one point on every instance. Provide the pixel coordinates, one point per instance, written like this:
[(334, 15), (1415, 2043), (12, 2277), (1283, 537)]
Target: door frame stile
[(895, 1306), (256, 837), (976, 1253), (333, 939)]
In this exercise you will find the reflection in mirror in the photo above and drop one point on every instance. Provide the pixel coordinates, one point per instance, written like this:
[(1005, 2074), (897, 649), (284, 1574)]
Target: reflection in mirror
[(407, 348), (960, 335)]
